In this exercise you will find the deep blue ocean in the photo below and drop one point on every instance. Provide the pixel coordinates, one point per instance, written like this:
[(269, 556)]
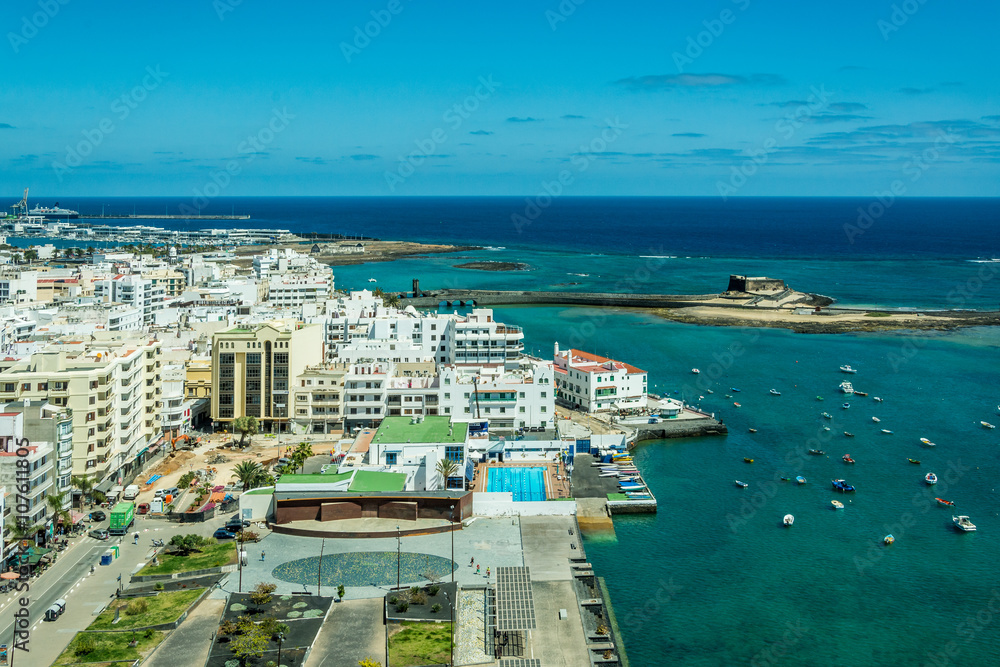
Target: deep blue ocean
[(714, 578)]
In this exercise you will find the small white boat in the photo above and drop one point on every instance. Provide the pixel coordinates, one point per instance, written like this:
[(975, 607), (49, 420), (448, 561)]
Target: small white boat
[(837, 505), (788, 520), (372, 280), (876, 419), (608, 474), (695, 371), (709, 391), (963, 523), (846, 368), (927, 442), (846, 406), (876, 399), (826, 428), (888, 539), (987, 425), (740, 484), (775, 392), (887, 431), (847, 387), (930, 478)]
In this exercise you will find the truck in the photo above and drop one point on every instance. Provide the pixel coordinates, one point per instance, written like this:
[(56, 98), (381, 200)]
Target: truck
[(122, 517), (131, 492)]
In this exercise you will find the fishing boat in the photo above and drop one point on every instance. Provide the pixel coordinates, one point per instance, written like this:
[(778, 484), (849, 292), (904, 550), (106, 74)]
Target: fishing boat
[(848, 459), (842, 485), (837, 505), (887, 431), (817, 452), (927, 442), (946, 503), (752, 430), (930, 478), (774, 392), (827, 415), (788, 520), (846, 368), (747, 460), (826, 428), (963, 523), (848, 434), (860, 393), (695, 371), (786, 479), (846, 406), (987, 425), (709, 391), (737, 404), (820, 398), (740, 484), (847, 387), (876, 399), (876, 419), (914, 461), (613, 473), (800, 480), (734, 390), (888, 539)]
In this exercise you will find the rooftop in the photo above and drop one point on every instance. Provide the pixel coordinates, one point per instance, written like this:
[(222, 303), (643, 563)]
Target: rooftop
[(370, 480), (433, 428)]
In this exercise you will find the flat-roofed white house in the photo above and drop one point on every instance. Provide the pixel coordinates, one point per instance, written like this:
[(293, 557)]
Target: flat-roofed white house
[(594, 383)]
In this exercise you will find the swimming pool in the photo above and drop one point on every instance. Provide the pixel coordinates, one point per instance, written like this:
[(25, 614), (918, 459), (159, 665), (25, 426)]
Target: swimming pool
[(524, 483)]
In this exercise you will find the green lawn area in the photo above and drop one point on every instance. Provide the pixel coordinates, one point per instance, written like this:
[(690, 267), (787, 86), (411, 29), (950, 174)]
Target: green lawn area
[(110, 646), (210, 555), (163, 608), (420, 644)]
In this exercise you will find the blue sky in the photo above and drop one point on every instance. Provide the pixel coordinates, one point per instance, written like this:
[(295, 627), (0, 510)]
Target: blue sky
[(723, 97)]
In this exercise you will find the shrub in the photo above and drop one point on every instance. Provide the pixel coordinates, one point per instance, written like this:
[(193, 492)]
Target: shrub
[(340, 591), (148, 633), (269, 625), (435, 608), (158, 586), (608, 654), (262, 593), (434, 590), (402, 606), (393, 600), (228, 627), (137, 606), (602, 629), (419, 598), (414, 590), (84, 645)]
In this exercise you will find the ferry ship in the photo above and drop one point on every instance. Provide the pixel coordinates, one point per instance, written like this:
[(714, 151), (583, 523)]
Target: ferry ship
[(54, 213)]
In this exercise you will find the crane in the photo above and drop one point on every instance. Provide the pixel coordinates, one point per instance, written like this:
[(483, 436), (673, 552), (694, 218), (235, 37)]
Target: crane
[(20, 209)]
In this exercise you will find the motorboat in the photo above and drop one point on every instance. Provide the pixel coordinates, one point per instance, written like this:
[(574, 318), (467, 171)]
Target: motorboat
[(888, 539), (827, 415), (887, 431), (876, 399), (747, 460), (695, 371), (752, 430), (963, 524), (946, 503), (848, 459), (613, 473), (848, 434), (820, 398), (987, 425), (930, 478), (914, 461), (774, 392), (800, 480), (847, 387), (817, 452), (846, 406), (737, 404), (846, 368), (786, 479), (876, 419), (842, 485), (709, 391), (860, 393), (788, 520), (927, 442), (826, 428), (837, 505), (372, 280), (740, 484), (734, 390)]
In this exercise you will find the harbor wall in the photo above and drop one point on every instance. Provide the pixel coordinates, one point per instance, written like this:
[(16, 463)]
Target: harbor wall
[(501, 503), (687, 428)]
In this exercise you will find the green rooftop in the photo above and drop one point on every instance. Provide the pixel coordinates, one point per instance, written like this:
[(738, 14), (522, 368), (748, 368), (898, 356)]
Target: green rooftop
[(316, 478), (433, 428), (370, 480), (266, 491), (334, 476)]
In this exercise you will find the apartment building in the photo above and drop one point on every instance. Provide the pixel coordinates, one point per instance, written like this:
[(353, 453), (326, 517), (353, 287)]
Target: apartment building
[(44, 422), (39, 464), (365, 394), (508, 399), (111, 385), (479, 339), (252, 368), (291, 290), (319, 399), (131, 290), (173, 282), (413, 389), (595, 383), (414, 445), (18, 287)]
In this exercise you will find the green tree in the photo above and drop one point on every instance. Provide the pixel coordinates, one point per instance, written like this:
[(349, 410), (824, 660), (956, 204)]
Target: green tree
[(250, 474), (30, 255), (261, 594), (185, 544), (86, 486), (55, 502), (247, 426), (250, 643), (446, 468)]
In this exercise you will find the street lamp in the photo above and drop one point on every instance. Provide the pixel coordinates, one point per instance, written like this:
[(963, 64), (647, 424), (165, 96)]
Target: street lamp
[(399, 547), (281, 638), (451, 603)]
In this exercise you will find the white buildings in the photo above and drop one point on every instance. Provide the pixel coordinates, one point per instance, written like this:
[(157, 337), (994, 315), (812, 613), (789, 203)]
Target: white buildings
[(479, 339), (508, 399), (415, 445), (39, 465), (594, 383), (131, 290), (18, 287)]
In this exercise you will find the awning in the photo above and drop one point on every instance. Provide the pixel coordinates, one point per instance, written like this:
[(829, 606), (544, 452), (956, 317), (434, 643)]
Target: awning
[(104, 486), (143, 451), (75, 517)]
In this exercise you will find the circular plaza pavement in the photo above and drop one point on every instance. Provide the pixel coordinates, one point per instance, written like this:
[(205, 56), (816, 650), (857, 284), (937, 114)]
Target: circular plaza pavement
[(377, 568)]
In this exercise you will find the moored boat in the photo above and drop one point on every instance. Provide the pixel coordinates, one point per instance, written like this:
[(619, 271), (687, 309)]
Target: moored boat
[(774, 392), (740, 484), (747, 459), (734, 390), (876, 399), (788, 520), (842, 485), (737, 404), (963, 523), (846, 406), (709, 391), (826, 428), (927, 442), (819, 398), (888, 539), (800, 480), (752, 430), (887, 431), (846, 368), (837, 505), (914, 461), (695, 371), (817, 452), (827, 415), (876, 419), (847, 387), (848, 459), (848, 434), (860, 393), (987, 425), (930, 478), (946, 503)]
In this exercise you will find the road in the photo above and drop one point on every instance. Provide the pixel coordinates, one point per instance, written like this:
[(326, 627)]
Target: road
[(86, 594)]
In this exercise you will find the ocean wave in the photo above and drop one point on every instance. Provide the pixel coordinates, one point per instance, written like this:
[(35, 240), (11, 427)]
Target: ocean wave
[(983, 261), (659, 257), (490, 247)]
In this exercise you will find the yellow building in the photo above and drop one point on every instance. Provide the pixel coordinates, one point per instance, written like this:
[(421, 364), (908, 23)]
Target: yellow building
[(252, 368), (172, 282), (198, 378)]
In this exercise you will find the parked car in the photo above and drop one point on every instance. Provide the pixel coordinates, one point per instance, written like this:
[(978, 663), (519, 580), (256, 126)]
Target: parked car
[(235, 525), (143, 508), (99, 534), (159, 493), (98, 516), (223, 534)]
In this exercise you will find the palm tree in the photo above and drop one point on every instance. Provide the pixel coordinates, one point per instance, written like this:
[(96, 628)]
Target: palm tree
[(446, 468), (302, 452), (86, 486), (55, 502), (249, 473), (392, 301)]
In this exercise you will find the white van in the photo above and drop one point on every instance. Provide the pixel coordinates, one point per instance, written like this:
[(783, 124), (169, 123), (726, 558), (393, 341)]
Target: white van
[(131, 492)]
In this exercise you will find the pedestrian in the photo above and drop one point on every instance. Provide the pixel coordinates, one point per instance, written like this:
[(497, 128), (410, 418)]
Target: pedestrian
[(487, 572), (262, 556), (472, 561), (477, 569)]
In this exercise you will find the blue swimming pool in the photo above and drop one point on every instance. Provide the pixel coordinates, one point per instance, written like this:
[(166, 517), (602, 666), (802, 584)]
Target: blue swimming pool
[(524, 483)]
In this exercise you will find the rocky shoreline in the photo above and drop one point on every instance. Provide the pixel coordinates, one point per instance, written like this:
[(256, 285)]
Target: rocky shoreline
[(814, 324), (493, 266)]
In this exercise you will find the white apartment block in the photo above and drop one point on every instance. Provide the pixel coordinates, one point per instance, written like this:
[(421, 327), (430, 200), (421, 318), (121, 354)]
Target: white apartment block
[(478, 339), (365, 393), (296, 289), (594, 383), (18, 287), (508, 399), (111, 385), (319, 399), (40, 461), (131, 290)]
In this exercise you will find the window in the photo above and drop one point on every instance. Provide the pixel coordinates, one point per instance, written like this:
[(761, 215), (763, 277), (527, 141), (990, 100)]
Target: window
[(543, 409), (544, 394), (8, 386), (253, 358), (43, 386), (26, 386), (447, 380), (521, 394), (453, 453), (466, 395), (447, 395), (390, 458), (521, 409)]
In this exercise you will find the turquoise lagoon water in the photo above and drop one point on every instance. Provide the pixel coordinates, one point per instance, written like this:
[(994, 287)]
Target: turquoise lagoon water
[(526, 484)]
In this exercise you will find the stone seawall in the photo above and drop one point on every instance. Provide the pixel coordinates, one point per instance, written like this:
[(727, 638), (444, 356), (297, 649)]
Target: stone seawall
[(688, 428)]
